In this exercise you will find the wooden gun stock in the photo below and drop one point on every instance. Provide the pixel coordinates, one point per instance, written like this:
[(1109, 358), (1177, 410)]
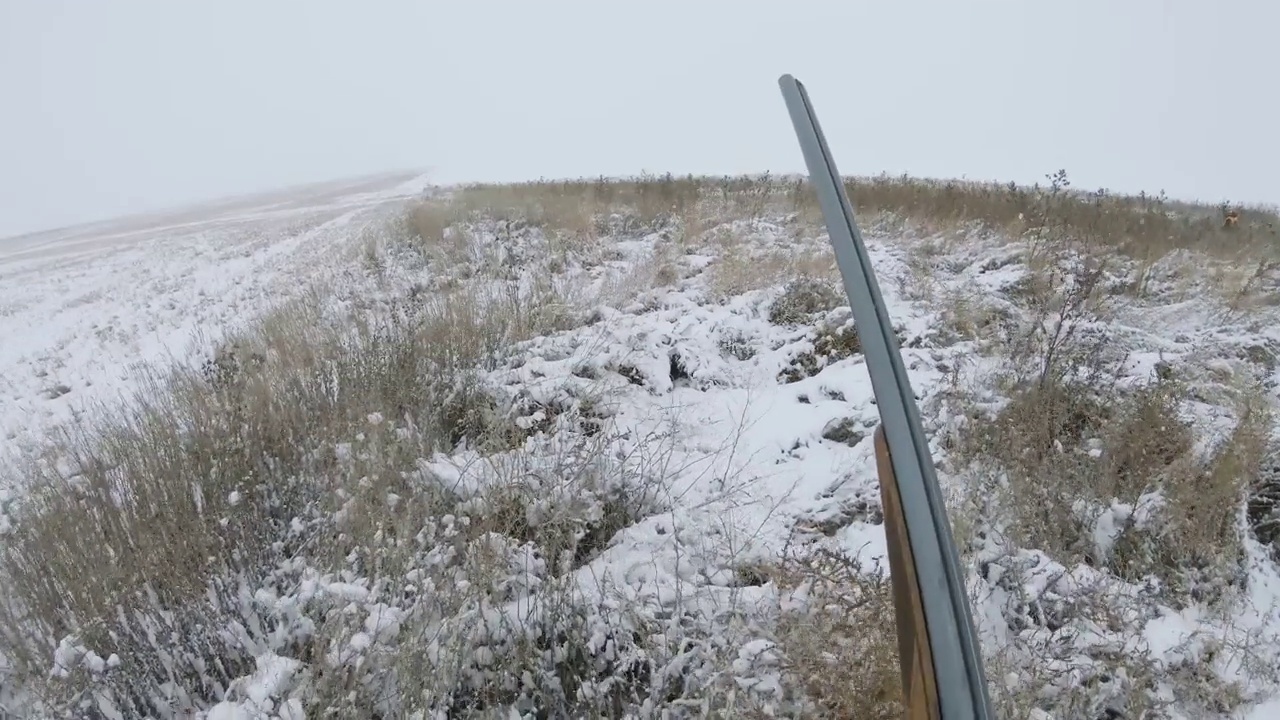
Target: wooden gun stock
[(915, 660)]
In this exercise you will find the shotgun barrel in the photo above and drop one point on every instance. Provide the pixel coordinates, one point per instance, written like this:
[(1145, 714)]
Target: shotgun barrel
[(941, 660)]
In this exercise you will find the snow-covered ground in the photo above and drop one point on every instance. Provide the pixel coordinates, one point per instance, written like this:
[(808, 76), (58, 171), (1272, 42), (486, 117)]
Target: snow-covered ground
[(764, 426), (776, 453), (81, 307)]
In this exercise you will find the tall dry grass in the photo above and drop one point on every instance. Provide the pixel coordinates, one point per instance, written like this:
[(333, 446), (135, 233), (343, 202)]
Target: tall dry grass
[(1141, 226)]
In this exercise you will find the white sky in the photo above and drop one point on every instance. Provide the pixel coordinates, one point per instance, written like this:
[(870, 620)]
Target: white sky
[(108, 108)]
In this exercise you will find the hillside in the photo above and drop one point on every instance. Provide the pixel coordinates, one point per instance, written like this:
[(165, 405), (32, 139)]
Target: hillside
[(602, 449), (79, 306)]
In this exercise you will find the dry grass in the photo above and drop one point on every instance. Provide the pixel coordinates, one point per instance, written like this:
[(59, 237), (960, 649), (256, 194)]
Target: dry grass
[(841, 645), (266, 405), (1142, 226), (1070, 443), (581, 207), (741, 267), (1068, 452), (1095, 473)]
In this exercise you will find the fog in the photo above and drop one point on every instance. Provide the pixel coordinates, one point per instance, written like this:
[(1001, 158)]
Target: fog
[(132, 105)]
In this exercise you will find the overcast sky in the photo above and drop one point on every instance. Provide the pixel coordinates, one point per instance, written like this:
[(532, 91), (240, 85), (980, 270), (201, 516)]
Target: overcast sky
[(108, 108)]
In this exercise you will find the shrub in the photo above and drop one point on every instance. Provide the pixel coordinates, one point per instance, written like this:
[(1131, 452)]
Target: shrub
[(802, 299)]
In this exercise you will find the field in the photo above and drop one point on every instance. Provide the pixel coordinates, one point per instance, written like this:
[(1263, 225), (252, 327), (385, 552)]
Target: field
[(602, 448)]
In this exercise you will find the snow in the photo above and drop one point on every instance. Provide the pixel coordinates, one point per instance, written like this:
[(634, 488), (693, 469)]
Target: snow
[(82, 308), (272, 677), (753, 462)]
